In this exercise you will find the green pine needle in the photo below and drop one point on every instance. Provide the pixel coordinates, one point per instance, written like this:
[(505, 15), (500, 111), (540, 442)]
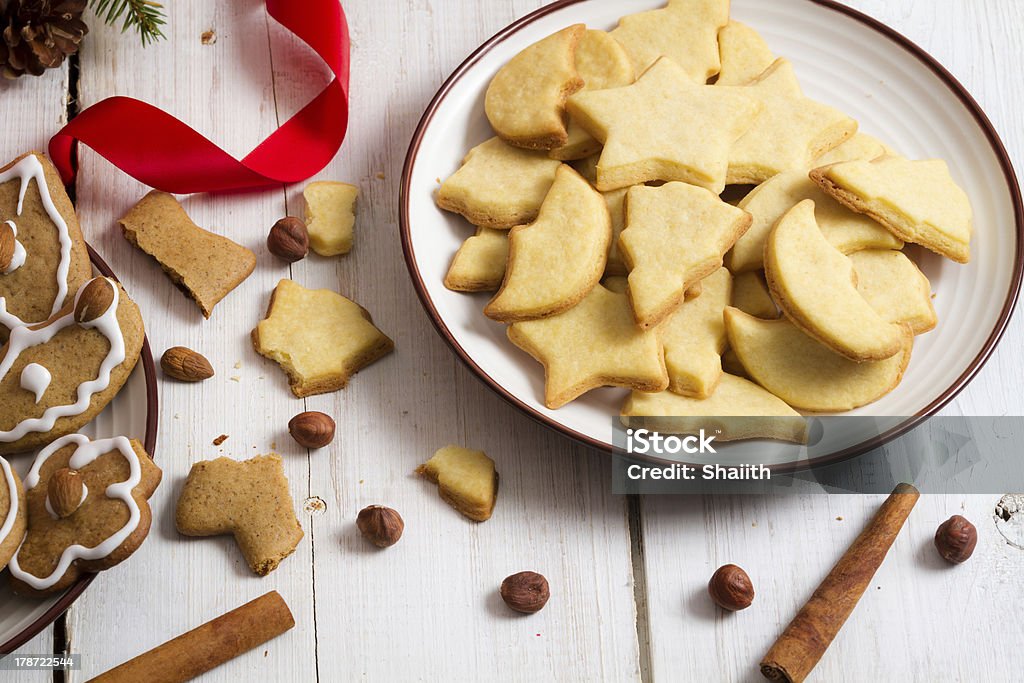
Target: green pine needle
[(145, 16)]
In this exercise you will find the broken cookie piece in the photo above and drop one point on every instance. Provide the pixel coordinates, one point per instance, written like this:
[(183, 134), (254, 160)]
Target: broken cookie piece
[(248, 499), (466, 480), (331, 216), (205, 266), (318, 337)]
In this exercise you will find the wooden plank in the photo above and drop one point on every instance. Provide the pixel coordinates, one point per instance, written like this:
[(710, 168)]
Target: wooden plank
[(225, 91), (395, 614), (33, 109), (921, 619)]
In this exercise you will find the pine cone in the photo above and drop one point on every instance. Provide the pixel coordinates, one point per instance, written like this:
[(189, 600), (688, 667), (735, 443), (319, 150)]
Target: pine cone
[(39, 34)]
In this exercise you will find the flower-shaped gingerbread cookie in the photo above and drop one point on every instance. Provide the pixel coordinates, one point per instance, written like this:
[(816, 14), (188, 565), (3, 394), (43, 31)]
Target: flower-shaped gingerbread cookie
[(12, 512), (87, 511)]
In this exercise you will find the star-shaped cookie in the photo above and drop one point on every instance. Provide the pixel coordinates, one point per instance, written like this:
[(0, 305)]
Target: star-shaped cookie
[(595, 343), (675, 236), (665, 127), (791, 132), (686, 31)]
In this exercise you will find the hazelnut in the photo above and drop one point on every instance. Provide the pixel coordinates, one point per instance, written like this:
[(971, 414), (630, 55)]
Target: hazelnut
[(312, 429), (525, 592), (955, 539), (381, 525), (289, 239), (730, 588), (185, 365), (94, 300), (64, 492)]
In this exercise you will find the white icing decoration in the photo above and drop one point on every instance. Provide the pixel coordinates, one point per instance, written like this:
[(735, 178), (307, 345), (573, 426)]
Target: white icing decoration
[(18, 257), (49, 507), (35, 378), (27, 169), (26, 337), (85, 453), (12, 488)]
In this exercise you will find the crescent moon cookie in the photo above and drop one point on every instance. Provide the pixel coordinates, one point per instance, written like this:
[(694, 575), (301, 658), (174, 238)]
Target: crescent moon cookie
[(895, 288), (768, 202), (684, 30), (602, 63), (498, 186), (791, 132), (58, 375), (815, 286), (739, 409), (744, 54), (595, 343), (556, 260), (664, 127), (808, 375), (694, 338), (917, 201), (87, 511), (675, 236), (13, 512), (43, 257), (525, 101)]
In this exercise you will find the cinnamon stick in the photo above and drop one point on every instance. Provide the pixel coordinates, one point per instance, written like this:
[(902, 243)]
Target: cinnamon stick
[(805, 640), (207, 646)]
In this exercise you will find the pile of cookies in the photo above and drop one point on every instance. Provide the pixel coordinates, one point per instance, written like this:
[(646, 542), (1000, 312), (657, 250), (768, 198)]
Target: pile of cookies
[(71, 341), (616, 224)]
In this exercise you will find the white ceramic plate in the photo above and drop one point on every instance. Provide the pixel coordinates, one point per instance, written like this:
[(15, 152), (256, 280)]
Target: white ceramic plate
[(845, 59), (133, 412)]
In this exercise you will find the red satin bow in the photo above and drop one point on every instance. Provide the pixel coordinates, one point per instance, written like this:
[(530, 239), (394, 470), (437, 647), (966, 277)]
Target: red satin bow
[(152, 146)]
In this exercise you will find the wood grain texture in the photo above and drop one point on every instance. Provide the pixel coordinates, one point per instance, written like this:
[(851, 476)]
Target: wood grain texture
[(428, 608)]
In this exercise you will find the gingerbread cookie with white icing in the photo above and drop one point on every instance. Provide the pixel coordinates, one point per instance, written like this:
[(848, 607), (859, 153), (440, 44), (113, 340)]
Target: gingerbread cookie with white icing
[(43, 257), (88, 510), (13, 514), (57, 375)]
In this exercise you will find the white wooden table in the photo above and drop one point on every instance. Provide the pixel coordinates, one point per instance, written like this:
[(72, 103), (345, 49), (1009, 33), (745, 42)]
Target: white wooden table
[(628, 576)]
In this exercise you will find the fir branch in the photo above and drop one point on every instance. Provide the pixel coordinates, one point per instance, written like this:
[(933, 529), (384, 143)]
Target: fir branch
[(145, 16)]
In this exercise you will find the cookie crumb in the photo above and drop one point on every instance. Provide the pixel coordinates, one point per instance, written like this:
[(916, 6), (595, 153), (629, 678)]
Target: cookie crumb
[(220, 439), (380, 175), (209, 37), (839, 519), (314, 506), (238, 365), (236, 378)]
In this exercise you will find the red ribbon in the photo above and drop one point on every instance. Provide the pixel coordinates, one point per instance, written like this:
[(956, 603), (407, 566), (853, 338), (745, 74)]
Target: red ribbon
[(152, 146)]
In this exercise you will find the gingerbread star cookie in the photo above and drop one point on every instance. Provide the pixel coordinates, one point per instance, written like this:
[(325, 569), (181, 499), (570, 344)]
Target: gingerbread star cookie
[(479, 264), (694, 338), (791, 132), (808, 375), (498, 186), (739, 409), (675, 236), (665, 127), (593, 344), (318, 337), (13, 512), (554, 261), (56, 376), (525, 101), (602, 63), (248, 499), (815, 286), (744, 54), (918, 201), (686, 31), (43, 257), (768, 202), (88, 510), (895, 287)]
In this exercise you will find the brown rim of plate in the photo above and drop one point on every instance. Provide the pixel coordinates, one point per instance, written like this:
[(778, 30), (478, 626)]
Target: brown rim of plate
[(874, 442), (149, 442)]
